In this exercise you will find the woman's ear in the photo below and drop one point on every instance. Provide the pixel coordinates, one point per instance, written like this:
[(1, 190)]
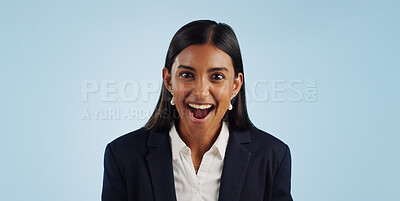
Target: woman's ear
[(166, 78), (237, 83)]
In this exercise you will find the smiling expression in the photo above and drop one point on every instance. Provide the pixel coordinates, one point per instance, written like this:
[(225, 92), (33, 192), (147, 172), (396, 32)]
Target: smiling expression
[(202, 80)]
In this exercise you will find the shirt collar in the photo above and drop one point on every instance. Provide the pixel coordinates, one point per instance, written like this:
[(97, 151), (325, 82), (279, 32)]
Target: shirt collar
[(177, 144), (222, 140)]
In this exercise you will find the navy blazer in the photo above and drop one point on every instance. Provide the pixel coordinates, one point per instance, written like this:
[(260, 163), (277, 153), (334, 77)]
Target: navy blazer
[(138, 167)]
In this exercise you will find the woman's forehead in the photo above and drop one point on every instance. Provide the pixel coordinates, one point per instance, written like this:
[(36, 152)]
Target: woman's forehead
[(202, 57)]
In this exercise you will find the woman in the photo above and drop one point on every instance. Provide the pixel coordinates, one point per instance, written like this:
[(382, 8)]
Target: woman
[(199, 143)]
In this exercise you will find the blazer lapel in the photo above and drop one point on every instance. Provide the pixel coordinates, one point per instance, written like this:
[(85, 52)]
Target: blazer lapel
[(159, 160), (235, 166)]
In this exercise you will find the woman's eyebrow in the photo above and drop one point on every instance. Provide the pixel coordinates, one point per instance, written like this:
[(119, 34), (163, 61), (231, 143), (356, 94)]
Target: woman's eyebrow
[(217, 69), (209, 70), (187, 67)]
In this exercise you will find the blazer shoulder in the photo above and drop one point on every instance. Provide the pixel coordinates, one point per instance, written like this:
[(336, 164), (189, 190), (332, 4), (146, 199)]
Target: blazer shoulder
[(267, 140), (134, 140)]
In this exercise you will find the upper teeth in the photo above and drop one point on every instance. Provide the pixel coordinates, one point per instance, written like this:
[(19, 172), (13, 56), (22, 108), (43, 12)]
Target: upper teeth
[(202, 107)]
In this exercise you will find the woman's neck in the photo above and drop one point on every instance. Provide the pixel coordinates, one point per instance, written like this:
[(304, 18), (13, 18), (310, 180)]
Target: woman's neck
[(200, 140)]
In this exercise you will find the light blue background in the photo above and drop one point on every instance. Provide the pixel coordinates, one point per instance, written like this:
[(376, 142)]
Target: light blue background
[(345, 145)]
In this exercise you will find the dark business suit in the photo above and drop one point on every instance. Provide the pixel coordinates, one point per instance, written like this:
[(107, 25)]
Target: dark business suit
[(138, 167)]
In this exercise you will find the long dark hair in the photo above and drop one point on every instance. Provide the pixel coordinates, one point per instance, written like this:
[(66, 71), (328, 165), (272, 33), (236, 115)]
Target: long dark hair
[(197, 33)]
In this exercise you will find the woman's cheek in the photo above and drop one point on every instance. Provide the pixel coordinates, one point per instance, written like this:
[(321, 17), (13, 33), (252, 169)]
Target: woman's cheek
[(222, 93)]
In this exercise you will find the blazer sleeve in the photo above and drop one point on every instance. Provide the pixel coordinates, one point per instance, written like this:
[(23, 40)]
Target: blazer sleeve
[(114, 186), (281, 184)]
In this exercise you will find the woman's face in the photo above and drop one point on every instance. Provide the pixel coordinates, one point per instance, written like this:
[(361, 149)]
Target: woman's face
[(202, 80)]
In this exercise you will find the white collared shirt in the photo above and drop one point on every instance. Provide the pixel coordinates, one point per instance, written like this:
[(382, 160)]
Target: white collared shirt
[(205, 185)]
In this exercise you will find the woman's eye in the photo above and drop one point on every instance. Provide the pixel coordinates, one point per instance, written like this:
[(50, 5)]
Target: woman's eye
[(186, 75), (217, 76)]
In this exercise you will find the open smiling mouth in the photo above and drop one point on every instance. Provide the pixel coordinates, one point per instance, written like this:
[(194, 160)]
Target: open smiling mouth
[(200, 113)]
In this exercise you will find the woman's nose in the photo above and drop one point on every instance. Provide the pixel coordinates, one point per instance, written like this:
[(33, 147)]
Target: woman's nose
[(201, 89)]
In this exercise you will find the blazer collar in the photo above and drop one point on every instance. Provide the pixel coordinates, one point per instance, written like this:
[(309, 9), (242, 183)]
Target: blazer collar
[(236, 160), (159, 159)]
